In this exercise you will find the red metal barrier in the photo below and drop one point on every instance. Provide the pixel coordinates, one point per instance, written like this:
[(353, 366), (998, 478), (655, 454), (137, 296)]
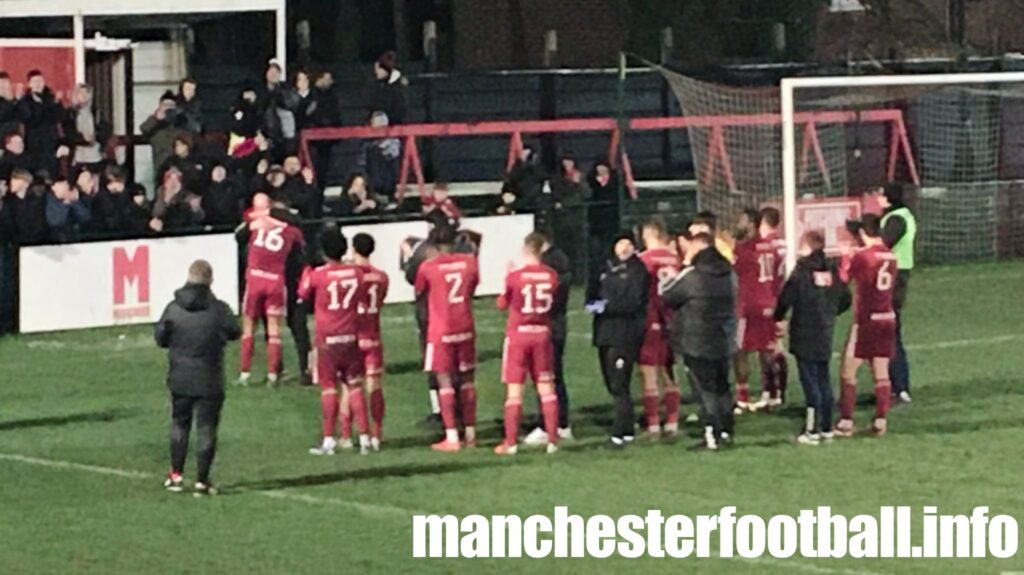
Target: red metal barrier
[(717, 146)]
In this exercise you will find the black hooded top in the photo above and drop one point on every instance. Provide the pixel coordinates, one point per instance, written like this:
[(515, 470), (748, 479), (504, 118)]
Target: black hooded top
[(194, 328)]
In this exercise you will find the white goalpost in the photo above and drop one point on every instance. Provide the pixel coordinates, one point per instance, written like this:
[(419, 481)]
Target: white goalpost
[(956, 127)]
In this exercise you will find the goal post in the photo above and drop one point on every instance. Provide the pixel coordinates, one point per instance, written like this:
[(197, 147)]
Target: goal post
[(962, 147)]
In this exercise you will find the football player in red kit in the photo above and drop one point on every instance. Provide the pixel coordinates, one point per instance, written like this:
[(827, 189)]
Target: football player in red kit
[(528, 297), (872, 336), (655, 354), (759, 264), (270, 241), (337, 292), (370, 344), (449, 281)]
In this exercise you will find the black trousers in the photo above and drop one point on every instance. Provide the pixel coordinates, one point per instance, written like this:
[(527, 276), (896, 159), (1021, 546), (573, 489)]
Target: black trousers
[(206, 412), (560, 389), (617, 370), (299, 326), (814, 378), (711, 379), (421, 325), (899, 367)]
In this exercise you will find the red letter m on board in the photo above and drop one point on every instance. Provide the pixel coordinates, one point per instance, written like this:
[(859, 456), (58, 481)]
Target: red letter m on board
[(131, 271)]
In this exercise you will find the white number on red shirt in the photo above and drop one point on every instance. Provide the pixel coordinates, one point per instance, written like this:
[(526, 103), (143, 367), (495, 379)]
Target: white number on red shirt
[(270, 240), (341, 300), (884, 280), (537, 298), (454, 281)]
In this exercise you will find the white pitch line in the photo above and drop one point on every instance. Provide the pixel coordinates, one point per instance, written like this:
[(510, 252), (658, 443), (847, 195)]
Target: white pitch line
[(372, 510)]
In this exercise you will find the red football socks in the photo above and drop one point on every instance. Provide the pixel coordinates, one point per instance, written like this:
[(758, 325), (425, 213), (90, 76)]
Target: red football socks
[(329, 411), (883, 396), (847, 398), (446, 395), (246, 362), (467, 401), (651, 404), (742, 392), (377, 410), (671, 401), (549, 409), (357, 407), (513, 413)]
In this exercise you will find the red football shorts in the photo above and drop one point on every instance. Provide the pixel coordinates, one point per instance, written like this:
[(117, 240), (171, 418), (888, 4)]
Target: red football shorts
[(264, 297), (655, 349), (755, 331), (451, 354), (373, 356), (872, 338), (533, 356), (340, 361)]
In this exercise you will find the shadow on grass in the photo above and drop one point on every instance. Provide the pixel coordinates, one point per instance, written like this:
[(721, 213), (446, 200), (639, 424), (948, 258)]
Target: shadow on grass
[(104, 416), (395, 471)]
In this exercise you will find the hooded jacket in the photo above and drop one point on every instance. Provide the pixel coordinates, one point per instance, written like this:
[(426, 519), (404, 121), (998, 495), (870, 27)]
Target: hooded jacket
[(816, 294), (703, 297), (194, 328), (624, 286)]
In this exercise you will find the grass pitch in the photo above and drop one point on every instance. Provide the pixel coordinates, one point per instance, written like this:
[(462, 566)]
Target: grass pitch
[(83, 449)]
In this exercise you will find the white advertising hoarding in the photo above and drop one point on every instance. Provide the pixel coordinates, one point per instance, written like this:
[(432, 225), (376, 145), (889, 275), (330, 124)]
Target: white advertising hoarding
[(112, 283)]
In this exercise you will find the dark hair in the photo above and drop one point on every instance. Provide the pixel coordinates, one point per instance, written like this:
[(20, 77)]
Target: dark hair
[(441, 185), (333, 242), (168, 95), (115, 174), (388, 60), (871, 225), (21, 174), (815, 240), (443, 235), (4, 75), (707, 218), (753, 215), (186, 80), (34, 72), (534, 242), (363, 244), (895, 193), (658, 225), (439, 219), (703, 238), (771, 216)]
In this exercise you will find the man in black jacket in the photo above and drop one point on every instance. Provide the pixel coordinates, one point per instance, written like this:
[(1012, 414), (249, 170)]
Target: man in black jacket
[(816, 294), (40, 113), (703, 297), (194, 328), (618, 301)]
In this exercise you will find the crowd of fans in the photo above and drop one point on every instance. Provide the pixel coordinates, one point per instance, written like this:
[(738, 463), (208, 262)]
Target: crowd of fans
[(60, 182)]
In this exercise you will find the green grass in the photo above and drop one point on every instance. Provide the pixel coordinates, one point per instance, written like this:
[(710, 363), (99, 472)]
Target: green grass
[(95, 398)]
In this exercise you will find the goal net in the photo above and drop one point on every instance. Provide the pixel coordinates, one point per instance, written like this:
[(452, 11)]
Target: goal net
[(953, 140)]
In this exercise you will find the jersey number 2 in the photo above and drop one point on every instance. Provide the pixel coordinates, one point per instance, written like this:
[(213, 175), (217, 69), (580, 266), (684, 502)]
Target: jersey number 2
[(454, 281)]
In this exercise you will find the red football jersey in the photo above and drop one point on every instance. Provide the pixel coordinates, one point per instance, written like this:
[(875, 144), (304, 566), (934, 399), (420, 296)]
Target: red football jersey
[(449, 280), (759, 265), (376, 290), (337, 292), (270, 242), (662, 265), (529, 294), (873, 269)]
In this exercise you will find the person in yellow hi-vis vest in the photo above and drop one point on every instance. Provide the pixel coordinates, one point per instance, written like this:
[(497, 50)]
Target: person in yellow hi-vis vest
[(899, 230)]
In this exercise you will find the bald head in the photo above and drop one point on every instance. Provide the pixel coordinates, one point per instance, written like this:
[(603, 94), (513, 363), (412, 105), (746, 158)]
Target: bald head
[(261, 201), (200, 273)]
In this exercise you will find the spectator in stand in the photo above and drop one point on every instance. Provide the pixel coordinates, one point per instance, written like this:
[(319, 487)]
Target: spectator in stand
[(27, 209), (161, 129), (307, 100), (506, 201), (569, 193), (113, 210), (136, 210), (246, 120), (256, 180), (223, 199), (380, 160), (300, 191), (190, 108), (40, 114), (186, 161), (14, 157), (176, 208), (84, 134), (279, 105), (274, 185), (8, 106), (604, 203), (66, 212), (322, 112), (390, 88), (526, 181), (438, 199), (87, 184), (357, 201), (271, 84)]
